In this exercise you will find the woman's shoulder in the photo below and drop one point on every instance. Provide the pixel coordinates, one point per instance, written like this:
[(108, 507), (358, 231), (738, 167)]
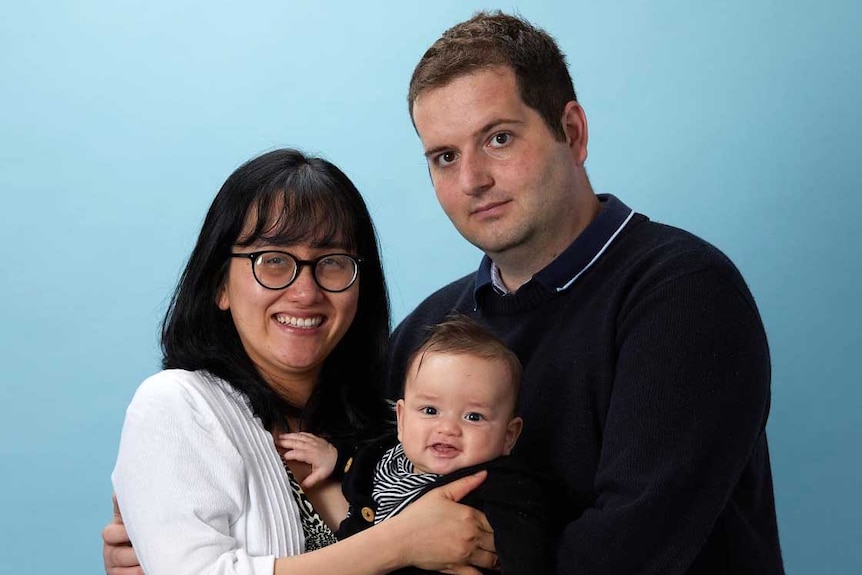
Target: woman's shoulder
[(175, 384), (173, 388)]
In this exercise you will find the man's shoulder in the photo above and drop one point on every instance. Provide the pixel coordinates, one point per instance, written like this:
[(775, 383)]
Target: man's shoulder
[(669, 249), (456, 296), (449, 295)]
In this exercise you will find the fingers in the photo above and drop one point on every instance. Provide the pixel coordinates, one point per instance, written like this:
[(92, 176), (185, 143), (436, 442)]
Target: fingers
[(456, 490), (484, 559), (117, 517), (115, 534), (302, 446), (453, 536), (463, 570), (300, 439), (315, 477), (117, 552), (298, 455), (137, 570), (487, 538), (310, 449)]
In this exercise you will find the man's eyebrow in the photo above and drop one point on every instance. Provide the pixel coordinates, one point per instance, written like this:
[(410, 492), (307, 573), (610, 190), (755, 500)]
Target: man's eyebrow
[(490, 126)]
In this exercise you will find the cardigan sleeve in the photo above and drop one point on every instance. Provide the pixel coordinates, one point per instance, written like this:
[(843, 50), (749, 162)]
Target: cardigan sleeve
[(181, 484), (687, 415)]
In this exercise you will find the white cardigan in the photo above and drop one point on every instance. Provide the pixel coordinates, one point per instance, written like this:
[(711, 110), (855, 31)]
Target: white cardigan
[(200, 485)]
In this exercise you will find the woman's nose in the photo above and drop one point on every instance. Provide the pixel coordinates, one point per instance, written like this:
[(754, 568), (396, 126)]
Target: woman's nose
[(304, 288)]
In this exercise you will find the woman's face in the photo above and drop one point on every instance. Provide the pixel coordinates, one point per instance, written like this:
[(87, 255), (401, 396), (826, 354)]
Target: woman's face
[(287, 333)]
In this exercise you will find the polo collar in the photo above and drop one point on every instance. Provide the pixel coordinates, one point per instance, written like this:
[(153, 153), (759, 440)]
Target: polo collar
[(587, 248)]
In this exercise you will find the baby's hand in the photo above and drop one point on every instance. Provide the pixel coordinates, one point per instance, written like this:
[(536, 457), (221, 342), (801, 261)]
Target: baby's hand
[(310, 449)]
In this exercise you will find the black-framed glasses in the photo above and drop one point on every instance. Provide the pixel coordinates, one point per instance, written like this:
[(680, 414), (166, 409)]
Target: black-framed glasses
[(276, 269)]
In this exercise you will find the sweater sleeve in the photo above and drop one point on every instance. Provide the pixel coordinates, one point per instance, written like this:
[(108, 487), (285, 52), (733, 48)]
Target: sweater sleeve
[(686, 415), (516, 505), (181, 484)]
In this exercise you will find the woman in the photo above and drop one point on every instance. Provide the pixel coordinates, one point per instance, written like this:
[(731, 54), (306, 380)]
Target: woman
[(255, 345)]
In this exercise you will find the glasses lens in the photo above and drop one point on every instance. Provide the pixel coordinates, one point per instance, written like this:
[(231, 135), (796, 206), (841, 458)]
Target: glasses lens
[(335, 272), (274, 270)]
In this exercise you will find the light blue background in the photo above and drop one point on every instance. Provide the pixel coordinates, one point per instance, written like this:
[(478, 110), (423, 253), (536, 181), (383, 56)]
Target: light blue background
[(119, 120)]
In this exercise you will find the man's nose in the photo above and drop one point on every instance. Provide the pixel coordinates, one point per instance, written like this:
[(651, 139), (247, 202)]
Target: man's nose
[(475, 174)]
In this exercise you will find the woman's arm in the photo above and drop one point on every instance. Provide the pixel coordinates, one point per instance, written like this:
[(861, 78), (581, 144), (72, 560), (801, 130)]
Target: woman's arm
[(186, 490), (434, 533)]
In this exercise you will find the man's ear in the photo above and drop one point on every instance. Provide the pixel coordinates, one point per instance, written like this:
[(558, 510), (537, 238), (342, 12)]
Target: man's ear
[(513, 431), (574, 123), (399, 415)]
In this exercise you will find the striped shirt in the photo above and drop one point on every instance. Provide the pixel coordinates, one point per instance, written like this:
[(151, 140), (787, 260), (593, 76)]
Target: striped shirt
[(396, 485)]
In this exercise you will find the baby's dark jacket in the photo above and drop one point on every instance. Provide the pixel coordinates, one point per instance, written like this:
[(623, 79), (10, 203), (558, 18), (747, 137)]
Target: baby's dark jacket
[(513, 498)]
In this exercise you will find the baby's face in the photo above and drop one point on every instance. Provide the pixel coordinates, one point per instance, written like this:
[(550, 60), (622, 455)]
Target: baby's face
[(456, 412)]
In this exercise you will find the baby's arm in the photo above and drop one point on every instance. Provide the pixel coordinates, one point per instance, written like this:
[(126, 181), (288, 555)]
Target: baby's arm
[(311, 449)]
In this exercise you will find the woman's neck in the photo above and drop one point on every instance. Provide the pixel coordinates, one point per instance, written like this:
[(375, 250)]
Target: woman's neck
[(296, 390)]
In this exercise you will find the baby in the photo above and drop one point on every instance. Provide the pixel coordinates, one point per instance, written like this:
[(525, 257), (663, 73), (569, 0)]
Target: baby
[(456, 417)]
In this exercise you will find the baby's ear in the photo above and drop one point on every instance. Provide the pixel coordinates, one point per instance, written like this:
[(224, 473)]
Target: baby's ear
[(399, 415), (513, 431)]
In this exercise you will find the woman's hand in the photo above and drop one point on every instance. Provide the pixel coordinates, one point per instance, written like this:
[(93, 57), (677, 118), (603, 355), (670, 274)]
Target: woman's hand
[(443, 535), (117, 552)]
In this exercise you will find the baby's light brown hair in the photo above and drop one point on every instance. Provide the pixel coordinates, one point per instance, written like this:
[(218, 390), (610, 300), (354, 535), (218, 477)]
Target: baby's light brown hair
[(459, 334)]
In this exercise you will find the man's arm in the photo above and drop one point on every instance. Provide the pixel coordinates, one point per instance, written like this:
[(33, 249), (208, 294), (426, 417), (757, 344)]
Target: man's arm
[(117, 552), (683, 431)]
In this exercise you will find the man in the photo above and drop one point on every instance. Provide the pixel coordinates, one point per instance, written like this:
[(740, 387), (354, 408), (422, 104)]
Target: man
[(646, 383), (646, 367)]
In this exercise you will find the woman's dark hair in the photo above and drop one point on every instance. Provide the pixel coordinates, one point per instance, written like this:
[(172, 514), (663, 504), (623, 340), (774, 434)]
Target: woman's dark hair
[(284, 197)]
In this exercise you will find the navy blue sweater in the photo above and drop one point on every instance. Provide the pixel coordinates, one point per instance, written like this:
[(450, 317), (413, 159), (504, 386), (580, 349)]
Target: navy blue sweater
[(645, 397)]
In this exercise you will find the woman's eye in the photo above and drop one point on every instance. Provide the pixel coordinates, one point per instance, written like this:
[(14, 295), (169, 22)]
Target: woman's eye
[(331, 263), (474, 416), (429, 410)]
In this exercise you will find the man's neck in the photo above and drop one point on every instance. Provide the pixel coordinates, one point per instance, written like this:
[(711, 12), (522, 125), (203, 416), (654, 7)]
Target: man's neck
[(519, 264)]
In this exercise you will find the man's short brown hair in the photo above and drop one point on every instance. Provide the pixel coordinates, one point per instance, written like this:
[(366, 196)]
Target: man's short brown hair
[(492, 39)]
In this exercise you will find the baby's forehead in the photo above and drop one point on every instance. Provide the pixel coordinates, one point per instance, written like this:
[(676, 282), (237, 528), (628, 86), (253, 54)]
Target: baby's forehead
[(426, 367)]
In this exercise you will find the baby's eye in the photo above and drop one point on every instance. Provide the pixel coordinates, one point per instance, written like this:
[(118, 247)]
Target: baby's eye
[(428, 410), (473, 416)]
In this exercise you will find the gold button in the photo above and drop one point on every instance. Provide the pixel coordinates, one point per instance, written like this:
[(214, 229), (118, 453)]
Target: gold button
[(368, 514), (348, 464)]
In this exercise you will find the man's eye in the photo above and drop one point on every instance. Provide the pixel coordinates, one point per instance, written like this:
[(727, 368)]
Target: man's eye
[(444, 159), (473, 416), (501, 139), (429, 410)]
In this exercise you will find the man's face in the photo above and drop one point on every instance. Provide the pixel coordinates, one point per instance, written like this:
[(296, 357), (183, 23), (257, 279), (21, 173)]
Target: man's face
[(508, 185)]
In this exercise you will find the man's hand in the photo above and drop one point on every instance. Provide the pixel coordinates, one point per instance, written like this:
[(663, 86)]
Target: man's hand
[(117, 552)]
